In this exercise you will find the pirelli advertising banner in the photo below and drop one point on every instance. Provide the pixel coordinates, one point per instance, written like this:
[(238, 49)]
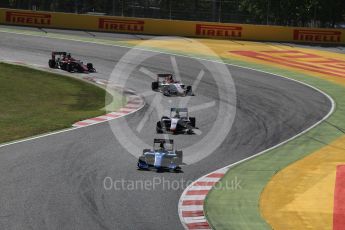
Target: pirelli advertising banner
[(171, 27)]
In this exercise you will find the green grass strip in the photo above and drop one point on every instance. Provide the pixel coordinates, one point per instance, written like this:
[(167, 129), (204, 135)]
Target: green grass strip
[(33, 102)]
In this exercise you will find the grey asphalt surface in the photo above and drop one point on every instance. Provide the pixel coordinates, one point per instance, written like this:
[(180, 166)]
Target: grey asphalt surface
[(56, 182)]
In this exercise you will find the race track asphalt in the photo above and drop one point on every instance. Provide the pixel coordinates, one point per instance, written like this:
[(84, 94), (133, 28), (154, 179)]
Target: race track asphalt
[(56, 182)]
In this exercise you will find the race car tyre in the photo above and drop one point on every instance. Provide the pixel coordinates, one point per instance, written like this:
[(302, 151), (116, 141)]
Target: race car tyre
[(63, 66), (159, 128), (190, 131), (146, 150), (139, 165), (142, 165), (189, 91), (154, 85), (69, 68), (177, 170), (192, 121), (90, 67), (159, 170), (52, 63), (166, 92), (78, 69)]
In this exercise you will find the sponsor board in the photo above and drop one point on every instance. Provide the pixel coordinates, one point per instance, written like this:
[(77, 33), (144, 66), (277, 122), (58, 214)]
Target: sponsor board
[(170, 27), (121, 25), (220, 31), (28, 18), (317, 35)]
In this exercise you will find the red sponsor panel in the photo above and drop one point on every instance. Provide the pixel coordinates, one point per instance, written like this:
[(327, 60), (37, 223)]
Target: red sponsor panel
[(339, 199), (317, 35), (222, 31), (299, 60), (121, 25), (28, 18)]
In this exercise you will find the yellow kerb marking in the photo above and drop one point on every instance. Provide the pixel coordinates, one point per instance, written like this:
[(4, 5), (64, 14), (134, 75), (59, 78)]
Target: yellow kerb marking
[(301, 195)]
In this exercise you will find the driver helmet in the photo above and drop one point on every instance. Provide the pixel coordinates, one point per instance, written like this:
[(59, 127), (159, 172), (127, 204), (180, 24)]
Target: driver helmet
[(177, 115), (161, 145)]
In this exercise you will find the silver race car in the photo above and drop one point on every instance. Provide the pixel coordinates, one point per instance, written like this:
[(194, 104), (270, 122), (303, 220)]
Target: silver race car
[(178, 122), (167, 85), (162, 157)]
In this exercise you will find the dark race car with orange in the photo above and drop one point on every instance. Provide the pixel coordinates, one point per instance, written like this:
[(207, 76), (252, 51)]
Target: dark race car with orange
[(64, 61)]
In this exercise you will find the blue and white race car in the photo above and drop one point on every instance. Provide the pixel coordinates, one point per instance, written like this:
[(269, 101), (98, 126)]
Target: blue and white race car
[(163, 156), (178, 122)]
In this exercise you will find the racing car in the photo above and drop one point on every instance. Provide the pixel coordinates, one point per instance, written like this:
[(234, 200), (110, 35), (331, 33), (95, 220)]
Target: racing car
[(167, 85), (178, 122), (64, 61), (163, 157)]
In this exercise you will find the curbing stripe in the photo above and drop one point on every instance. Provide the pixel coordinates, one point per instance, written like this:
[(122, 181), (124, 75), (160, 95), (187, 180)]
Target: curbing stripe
[(192, 208), (125, 110), (204, 183), (113, 115), (198, 225), (197, 192), (202, 187), (191, 211), (134, 104), (192, 202), (106, 117), (216, 175), (96, 119), (195, 197), (80, 123), (339, 199)]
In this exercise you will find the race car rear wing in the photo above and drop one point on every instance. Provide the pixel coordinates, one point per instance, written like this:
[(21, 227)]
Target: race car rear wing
[(170, 141), (182, 112), (58, 53), (179, 110), (164, 75)]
